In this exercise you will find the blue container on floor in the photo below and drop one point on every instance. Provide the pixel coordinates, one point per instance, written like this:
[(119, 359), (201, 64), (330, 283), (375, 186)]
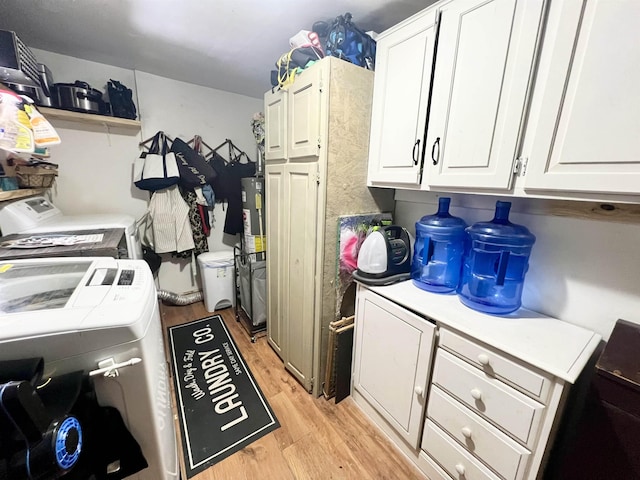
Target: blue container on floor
[(438, 250), (493, 272)]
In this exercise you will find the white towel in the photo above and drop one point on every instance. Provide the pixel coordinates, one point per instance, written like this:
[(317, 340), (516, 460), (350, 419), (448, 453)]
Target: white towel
[(170, 221)]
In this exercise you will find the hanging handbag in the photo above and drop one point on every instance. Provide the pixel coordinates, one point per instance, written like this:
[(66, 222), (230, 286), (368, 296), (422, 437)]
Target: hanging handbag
[(195, 171), (157, 168)]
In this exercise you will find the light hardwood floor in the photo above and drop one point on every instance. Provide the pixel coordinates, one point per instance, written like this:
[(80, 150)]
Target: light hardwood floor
[(317, 439)]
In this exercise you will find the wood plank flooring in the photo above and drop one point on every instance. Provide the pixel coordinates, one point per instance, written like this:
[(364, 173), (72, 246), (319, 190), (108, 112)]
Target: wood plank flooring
[(317, 439)]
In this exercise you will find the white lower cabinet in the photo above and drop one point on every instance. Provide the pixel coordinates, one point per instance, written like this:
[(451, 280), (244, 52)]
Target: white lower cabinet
[(454, 459), (479, 437), (489, 397), (474, 416), (391, 371), (489, 413)]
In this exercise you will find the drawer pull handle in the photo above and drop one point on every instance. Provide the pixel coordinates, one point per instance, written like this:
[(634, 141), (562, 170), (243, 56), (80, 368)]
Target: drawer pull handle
[(460, 469), (466, 431), (476, 393), (419, 391), (483, 359)]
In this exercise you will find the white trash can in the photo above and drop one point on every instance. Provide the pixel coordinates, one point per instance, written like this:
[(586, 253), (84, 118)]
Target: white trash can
[(216, 272)]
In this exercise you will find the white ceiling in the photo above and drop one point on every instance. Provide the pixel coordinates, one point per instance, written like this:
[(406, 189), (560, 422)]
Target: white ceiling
[(230, 45)]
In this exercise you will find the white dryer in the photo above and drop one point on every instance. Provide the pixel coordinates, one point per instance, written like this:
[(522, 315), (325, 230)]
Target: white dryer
[(88, 313), (38, 215)]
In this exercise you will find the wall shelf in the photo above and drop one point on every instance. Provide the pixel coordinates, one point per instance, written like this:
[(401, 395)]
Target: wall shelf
[(20, 193), (90, 118)]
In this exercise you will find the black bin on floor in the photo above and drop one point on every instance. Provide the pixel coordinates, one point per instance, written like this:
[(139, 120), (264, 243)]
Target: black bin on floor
[(606, 444)]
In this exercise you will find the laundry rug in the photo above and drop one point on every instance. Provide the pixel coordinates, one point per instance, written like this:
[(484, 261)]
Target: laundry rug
[(221, 407)]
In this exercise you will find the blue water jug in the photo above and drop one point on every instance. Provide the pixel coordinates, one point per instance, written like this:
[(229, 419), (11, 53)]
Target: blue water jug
[(438, 250), (493, 271)]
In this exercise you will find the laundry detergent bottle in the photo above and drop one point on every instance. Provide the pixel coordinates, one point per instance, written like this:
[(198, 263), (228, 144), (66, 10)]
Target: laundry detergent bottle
[(493, 272), (438, 250)]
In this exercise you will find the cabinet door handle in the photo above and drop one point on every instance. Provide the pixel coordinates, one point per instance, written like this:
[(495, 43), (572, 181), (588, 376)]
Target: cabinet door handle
[(434, 157), (416, 150), (466, 431), (460, 469), (476, 393), (419, 391), (483, 359)]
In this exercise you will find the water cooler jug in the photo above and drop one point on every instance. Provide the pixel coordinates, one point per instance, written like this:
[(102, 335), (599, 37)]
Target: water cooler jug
[(438, 252), (493, 271)]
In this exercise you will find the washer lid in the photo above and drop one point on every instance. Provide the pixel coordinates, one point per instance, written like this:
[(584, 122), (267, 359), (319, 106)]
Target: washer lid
[(38, 215), (64, 223), (51, 296), (21, 215), (40, 285), (105, 310)]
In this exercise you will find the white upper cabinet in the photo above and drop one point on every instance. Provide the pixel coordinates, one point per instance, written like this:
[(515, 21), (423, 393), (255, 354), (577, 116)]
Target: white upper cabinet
[(484, 62), (467, 92), (304, 115), (275, 119), (404, 60), (585, 123)]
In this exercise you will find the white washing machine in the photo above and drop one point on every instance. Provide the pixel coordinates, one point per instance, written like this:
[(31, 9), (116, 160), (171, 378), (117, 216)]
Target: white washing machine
[(38, 215), (87, 313)]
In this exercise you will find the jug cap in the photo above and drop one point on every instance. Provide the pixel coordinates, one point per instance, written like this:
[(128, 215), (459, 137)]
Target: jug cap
[(441, 222), (501, 231)]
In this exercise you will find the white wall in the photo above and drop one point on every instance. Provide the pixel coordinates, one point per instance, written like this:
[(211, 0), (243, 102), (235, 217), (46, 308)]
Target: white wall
[(184, 110), (586, 272), (96, 162)]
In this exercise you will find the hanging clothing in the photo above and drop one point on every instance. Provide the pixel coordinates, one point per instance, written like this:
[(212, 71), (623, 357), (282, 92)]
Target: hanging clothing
[(207, 191), (170, 221), (227, 186), (204, 215), (233, 223), (200, 244), (200, 198)]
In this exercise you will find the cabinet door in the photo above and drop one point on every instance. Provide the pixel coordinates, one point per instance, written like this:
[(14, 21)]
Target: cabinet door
[(400, 97), (275, 230), (482, 72), (586, 137), (301, 207), (275, 124), (304, 114), (392, 362)]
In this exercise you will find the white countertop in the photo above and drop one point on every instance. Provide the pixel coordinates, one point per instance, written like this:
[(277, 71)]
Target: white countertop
[(559, 348)]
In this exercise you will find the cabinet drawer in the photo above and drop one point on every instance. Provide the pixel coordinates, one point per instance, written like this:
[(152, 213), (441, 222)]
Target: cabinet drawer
[(429, 466), (494, 364), (509, 409), (505, 456), (451, 457)]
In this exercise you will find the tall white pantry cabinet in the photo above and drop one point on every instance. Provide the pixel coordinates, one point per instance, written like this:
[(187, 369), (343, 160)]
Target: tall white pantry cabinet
[(316, 152)]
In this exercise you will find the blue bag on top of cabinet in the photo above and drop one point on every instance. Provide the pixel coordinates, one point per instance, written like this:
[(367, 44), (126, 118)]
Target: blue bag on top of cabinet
[(346, 41)]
